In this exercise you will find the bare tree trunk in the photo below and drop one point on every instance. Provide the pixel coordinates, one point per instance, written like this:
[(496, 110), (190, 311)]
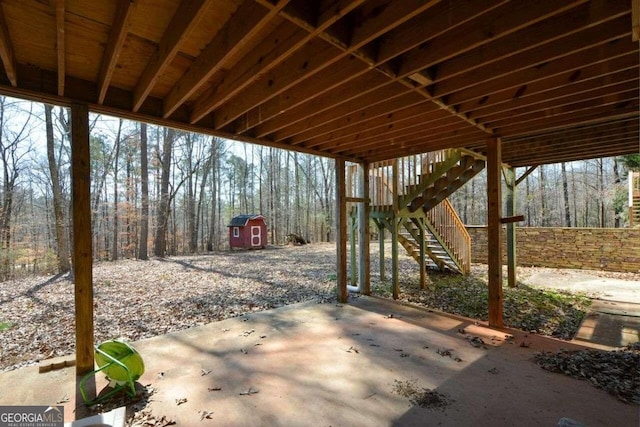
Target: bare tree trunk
[(64, 264), (199, 210), (191, 203), (543, 202), (565, 191), (160, 243), (144, 186), (114, 242), (214, 194)]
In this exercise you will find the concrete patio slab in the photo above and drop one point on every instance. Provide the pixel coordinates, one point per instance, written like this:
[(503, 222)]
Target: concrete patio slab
[(339, 365)]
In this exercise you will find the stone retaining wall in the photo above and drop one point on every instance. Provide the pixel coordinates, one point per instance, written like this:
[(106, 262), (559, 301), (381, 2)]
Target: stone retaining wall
[(611, 249)]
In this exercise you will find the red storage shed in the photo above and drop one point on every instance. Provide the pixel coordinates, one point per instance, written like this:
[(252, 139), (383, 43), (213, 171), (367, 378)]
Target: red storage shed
[(248, 232)]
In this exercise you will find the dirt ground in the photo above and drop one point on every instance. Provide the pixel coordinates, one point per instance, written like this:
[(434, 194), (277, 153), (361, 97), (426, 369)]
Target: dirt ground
[(141, 299)]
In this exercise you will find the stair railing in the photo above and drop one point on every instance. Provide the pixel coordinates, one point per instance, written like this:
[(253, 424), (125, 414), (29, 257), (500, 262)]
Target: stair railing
[(410, 171), (449, 226), (634, 196)]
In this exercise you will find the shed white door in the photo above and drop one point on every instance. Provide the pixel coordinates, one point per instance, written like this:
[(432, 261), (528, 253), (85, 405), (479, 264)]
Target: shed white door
[(256, 235)]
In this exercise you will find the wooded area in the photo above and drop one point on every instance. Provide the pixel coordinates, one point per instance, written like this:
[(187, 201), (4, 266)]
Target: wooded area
[(162, 191)]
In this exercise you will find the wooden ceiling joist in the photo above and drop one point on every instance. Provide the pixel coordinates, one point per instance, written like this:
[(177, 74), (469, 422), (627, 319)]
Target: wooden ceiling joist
[(394, 45), (112, 51), (240, 31), (635, 20), (529, 59), (557, 96), (590, 63), (6, 52), (60, 45), (255, 72), (363, 80), (517, 46), (184, 20)]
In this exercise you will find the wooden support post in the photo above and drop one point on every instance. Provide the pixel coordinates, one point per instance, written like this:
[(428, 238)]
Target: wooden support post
[(394, 233), (494, 182), (82, 249), (341, 232), (510, 208), (381, 243), (423, 261), (364, 261), (352, 250), (395, 280)]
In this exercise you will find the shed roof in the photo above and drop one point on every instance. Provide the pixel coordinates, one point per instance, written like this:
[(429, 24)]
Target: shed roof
[(363, 80), (242, 220)]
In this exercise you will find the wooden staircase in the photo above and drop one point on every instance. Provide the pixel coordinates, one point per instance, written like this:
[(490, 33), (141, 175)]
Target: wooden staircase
[(409, 196)]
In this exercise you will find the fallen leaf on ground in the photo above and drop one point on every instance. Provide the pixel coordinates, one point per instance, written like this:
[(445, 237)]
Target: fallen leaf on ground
[(206, 415), (249, 392)]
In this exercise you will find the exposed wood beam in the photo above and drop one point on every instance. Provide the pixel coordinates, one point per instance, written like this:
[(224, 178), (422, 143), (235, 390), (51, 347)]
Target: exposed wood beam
[(368, 89), (542, 12), (635, 20), (571, 118), (603, 94), (400, 147), (604, 126), (6, 52), (559, 142), (583, 104), (526, 173), (375, 111), (549, 33), (289, 68), (591, 150), (244, 26), (184, 20), (558, 83), (41, 86), (571, 67), (393, 44), (60, 45), (568, 146), (533, 101), (538, 57), (429, 123), (313, 87), (118, 34), (504, 21), (310, 58), (432, 25)]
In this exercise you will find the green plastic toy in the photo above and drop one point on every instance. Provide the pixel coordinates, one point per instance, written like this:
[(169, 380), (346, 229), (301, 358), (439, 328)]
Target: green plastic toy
[(122, 365)]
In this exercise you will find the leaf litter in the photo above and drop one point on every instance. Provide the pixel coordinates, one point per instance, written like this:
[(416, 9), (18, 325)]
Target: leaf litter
[(420, 396), (617, 372)]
